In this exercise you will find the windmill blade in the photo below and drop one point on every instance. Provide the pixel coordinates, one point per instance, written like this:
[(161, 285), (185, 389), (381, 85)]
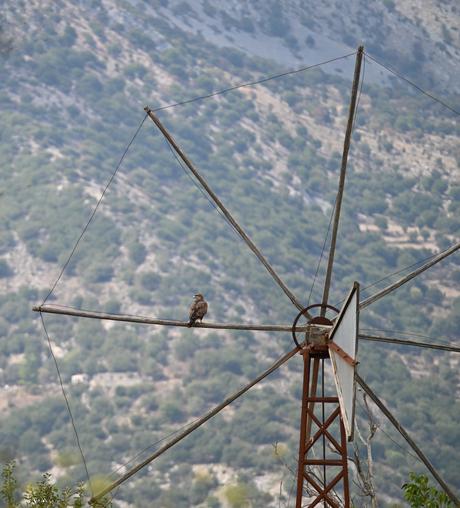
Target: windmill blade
[(343, 169), (165, 322), (392, 340), (409, 277), (409, 440), (344, 334), (227, 214), (188, 431)]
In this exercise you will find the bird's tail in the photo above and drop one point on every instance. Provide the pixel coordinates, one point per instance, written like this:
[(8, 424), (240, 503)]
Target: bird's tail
[(191, 323)]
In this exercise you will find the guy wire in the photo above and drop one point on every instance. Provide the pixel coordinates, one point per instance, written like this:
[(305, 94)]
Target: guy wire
[(322, 251), (95, 210), (151, 446), (414, 85), (395, 273), (253, 83), (335, 202), (178, 430), (135, 135), (391, 439), (290, 493), (67, 403)]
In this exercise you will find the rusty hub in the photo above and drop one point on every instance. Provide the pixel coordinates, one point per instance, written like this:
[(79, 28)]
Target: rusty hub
[(318, 320)]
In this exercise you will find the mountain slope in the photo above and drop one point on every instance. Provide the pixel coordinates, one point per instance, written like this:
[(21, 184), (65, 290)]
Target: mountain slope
[(74, 84)]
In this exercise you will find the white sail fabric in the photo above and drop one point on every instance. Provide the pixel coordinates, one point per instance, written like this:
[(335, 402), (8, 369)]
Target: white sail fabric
[(345, 335)]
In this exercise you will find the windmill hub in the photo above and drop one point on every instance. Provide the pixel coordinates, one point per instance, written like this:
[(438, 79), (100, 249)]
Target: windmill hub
[(318, 327), (319, 320)]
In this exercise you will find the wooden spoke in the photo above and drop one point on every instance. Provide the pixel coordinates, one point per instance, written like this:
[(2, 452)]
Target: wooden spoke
[(409, 277), (408, 342), (165, 322), (197, 424), (227, 214), (338, 204)]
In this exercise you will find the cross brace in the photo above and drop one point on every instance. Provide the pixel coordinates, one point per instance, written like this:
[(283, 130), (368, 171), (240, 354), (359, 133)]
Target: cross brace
[(324, 432)]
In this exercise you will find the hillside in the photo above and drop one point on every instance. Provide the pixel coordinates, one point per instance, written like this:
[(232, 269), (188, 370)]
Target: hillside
[(75, 78)]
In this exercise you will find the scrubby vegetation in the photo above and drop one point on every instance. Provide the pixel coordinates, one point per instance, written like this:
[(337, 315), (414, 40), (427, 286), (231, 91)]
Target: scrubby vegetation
[(270, 155)]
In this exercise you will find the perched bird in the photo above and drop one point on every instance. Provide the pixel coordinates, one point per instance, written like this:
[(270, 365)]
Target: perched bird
[(198, 309)]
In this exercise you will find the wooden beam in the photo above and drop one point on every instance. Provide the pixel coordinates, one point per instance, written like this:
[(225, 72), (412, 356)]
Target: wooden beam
[(188, 431), (409, 277), (409, 440), (224, 210), (165, 322), (343, 169), (392, 340)]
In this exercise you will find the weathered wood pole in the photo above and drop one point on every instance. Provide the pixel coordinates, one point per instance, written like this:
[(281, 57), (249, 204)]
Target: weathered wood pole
[(193, 427), (227, 214), (346, 148), (165, 322), (343, 169)]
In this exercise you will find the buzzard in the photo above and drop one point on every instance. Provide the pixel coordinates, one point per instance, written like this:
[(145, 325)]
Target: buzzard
[(197, 310)]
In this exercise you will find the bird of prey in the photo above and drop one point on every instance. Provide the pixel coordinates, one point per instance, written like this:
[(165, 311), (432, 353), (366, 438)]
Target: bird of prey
[(197, 310)]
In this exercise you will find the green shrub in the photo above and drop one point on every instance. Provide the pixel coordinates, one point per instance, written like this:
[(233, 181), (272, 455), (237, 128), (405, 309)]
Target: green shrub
[(140, 39), (309, 41), (237, 495), (112, 306), (89, 87), (205, 82), (439, 186), (178, 70), (172, 411), (419, 494), (183, 8), (285, 139), (137, 420), (114, 85), (150, 402), (292, 98), (389, 4), (142, 297), (246, 24), (97, 29), (151, 281), (43, 493), (70, 36), (137, 252), (99, 273), (381, 222), (5, 270), (133, 69), (234, 56), (277, 24), (434, 295), (455, 192)]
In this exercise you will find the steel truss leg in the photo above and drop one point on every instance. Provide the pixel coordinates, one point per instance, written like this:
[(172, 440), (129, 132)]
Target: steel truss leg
[(304, 478)]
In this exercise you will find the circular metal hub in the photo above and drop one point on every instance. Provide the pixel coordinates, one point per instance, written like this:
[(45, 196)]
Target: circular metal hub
[(318, 320)]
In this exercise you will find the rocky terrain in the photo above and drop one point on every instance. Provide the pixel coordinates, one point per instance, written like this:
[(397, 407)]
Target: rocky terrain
[(75, 79)]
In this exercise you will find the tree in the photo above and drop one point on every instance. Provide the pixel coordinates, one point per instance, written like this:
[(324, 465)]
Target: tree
[(420, 495), (44, 494)]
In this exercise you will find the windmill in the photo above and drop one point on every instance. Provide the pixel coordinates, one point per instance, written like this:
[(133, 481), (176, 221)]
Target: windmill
[(335, 339)]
